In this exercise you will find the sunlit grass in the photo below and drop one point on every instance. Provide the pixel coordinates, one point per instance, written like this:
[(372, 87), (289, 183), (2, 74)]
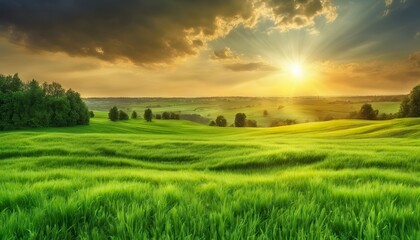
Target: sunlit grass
[(346, 179)]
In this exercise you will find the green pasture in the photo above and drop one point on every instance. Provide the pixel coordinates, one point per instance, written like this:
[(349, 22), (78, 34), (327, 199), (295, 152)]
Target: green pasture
[(299, 108), (343, 179)]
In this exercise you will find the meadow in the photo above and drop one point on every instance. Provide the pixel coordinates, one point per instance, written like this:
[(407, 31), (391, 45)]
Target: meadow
[(341, 179), (301, 109)]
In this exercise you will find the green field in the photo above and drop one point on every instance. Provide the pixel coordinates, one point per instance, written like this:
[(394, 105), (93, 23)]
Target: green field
[(301, 109), (343, 179)]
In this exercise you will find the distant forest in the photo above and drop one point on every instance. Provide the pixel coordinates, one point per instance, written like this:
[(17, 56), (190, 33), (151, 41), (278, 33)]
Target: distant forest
[(32, 105)]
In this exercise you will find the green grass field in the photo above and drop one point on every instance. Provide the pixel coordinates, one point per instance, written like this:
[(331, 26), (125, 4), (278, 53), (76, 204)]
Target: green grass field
[(344, 179), (301, 109)]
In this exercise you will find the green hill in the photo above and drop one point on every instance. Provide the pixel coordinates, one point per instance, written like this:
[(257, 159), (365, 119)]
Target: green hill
[(340, 179)]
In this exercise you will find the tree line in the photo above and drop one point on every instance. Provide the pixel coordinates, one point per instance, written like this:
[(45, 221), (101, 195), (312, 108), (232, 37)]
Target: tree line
[(119, 115), (33, 105), (410, 107), (240, 121)]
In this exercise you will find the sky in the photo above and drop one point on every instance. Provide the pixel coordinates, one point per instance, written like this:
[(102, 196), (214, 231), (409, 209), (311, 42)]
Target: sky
[(192, 48)]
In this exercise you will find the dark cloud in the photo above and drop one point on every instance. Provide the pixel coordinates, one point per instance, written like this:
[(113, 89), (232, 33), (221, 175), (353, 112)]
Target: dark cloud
[(224, 54), (141, 31), (254, 66), (300, 13)]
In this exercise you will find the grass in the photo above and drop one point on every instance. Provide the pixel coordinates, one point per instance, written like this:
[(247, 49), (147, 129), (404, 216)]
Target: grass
[(346, 179), (302, 109)]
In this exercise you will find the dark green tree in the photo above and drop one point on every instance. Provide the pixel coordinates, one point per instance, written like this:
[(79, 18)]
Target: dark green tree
[(240, 120), (251, 123), (91, 114), (134, 115), (158, 116), (221, 121), (166, 115), (212, 123), (367, 112), (410, 106), (148, 115), (113, 114), (265, 113), (122, 115)]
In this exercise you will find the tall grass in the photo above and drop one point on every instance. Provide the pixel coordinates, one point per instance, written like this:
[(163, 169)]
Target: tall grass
[(176, 180)]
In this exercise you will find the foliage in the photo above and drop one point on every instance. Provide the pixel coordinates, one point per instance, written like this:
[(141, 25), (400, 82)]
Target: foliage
[(367, 112), (282, 122), (91, 114), (166, 115), (251, 123), (240, 120), (212, 123), (170, 115), (29, 105), (113, 114), (410, 106), (122, 115), (158, 116), (195, 118), (265, 113), (148, 115), (221, 121), (134, 115)]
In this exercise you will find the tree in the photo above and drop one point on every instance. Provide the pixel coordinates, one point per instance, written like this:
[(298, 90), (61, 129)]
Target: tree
[(148, 115), (221, 121), (367, 112), (265, 113), (134, 115), (113, 114), (410, 106), (158, 116), (212, 123), (404, 107), (251, 123), (122, 115), (414, 102), (166, 115), (240, 120), (91, 114), (28, 104)]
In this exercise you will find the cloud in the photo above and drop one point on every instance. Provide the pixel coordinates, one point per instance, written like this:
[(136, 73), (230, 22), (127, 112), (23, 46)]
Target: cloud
[(299, 13), (143, 31), (224, 54), (373, 75), (253, 66), (414, 59)]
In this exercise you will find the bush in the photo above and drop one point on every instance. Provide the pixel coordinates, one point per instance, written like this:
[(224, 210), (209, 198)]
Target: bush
[(251, 123), (221, 121), (265, 113), (282, 122), (158, 116), (91, 114), (212, 123), (122, 115)]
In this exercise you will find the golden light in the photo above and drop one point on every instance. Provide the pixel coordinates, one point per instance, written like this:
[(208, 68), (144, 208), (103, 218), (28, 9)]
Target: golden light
[(296, 70)]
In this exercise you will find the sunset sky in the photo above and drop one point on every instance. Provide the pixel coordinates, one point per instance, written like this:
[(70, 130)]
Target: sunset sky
[(166, 48)]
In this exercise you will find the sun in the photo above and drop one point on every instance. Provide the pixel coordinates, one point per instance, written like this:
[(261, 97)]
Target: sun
[(296, 70)]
